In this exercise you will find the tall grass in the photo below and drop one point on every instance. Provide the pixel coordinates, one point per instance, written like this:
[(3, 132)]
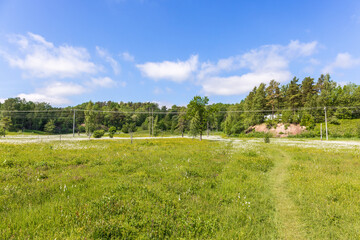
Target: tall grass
[(179, 188), (325, 185)]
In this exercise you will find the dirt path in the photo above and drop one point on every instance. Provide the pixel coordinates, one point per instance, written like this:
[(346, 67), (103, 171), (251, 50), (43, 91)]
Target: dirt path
[(286, 217)]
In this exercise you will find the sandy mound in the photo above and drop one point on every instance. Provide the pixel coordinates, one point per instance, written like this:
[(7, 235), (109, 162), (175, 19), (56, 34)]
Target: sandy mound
[(281, 130)]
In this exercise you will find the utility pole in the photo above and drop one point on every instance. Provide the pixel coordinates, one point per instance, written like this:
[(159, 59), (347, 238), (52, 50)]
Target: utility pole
[(326, 128), (321, 131), (152, 122), (74, 124), (149, 124), (207, 130)]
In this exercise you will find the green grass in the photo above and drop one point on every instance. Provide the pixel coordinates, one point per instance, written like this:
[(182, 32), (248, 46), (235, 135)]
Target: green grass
[(325, 185), (348, 128), (179, 188)]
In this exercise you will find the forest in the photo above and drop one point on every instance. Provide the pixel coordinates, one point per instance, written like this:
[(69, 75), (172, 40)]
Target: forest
[(299, 102)]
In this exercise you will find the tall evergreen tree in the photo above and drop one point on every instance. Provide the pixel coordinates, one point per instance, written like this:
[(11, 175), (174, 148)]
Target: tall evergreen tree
[(293, 97), (273, 95)]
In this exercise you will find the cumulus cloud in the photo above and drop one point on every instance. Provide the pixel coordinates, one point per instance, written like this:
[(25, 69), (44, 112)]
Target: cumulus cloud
[(40, 58), (2, 100), (128, 57), (342, 61), (55, 93), (167, 104), (263, 64), (240, 84), (105, 82), (107, 57), (178, 71)]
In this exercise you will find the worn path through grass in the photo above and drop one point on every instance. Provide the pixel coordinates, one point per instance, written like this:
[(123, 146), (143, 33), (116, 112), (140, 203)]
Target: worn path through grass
[(286, 216)]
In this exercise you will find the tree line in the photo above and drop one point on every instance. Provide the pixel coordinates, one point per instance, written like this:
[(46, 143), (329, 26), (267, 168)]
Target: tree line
[(298, 102)]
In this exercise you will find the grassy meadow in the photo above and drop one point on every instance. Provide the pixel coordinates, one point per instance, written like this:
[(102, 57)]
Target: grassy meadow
[(178, 189)]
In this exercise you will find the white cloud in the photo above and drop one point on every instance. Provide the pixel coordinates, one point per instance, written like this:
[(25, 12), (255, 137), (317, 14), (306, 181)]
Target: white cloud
[(342, 61), (264, 64), (107, 57), (128, 57), (241, 84), (178, 71), (105, 82), (2, 100), (39, 58), (164, 103), (55, 93)]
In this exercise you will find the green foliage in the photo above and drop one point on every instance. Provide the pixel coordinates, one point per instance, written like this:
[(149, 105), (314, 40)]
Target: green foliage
[(2, 132), (5, 123), (50, 126), (198, 113), (128, 127), (90, 118), (343, 113), (267, 138), (112, 131), (82, 129), (295, 97), (358, 131), (334, 120), (308, 121), (98, 133), (182, 121)]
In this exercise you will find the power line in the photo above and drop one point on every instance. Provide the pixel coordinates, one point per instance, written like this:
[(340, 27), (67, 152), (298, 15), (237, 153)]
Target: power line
[(70, 111)]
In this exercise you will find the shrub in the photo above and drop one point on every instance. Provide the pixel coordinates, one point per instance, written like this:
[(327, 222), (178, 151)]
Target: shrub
[(112, 131), (82, 129), (98, 133), (267, 138), (308, 121), (334, 120), (2, 132), (348, 135), (128, 127), (358, 131)]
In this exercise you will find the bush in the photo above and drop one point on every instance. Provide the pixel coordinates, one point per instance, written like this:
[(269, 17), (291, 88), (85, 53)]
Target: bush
[(128, 127), (308, 121), (82, 129), (348, 135), (98, 133), (358, 131), (267, 138), (334, 120), (112, 131), (2, 132)]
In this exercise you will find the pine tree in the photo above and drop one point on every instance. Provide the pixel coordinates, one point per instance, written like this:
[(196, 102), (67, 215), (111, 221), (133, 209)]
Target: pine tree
[(195, 125), (259, 104), (182, 122), (273, 95), (307, 90), (293, 94)]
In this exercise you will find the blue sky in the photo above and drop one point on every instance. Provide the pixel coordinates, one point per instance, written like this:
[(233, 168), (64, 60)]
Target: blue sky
[(167, 51)]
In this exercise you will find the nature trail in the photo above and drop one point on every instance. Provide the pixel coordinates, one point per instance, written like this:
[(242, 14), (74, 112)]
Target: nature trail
[(286, 216)]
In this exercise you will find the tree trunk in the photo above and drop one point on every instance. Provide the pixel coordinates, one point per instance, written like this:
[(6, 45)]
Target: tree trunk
[(182, 133), (200, 136)]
